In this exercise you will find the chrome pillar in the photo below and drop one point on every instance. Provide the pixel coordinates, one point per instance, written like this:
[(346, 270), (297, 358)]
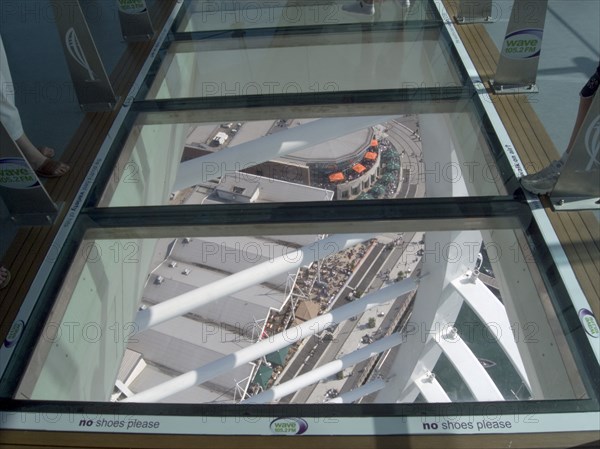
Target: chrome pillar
[(93, 88), (520, 55)]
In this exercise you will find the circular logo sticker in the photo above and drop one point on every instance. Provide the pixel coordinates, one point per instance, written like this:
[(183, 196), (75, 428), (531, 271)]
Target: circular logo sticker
[(132, 6), (15, 173), (14, 333), (589, 323), (523, 44)]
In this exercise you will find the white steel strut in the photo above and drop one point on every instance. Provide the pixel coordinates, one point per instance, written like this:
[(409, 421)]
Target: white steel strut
[(273, 343), (329, 369), (185, 303)]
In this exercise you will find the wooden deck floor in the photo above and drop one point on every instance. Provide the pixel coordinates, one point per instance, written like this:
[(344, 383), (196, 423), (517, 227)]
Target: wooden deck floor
[(578, 232)]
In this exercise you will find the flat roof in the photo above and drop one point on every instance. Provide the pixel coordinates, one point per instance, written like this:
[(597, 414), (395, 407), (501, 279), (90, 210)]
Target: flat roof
[(228, 255), (335, 150), (270, 190), (182, 344), (238, 309), (151, 376)]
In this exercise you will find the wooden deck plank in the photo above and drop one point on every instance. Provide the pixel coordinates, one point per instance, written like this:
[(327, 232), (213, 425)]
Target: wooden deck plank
[(577, 247), (585, 236), (591, 223), (523, 139), (485, 60)]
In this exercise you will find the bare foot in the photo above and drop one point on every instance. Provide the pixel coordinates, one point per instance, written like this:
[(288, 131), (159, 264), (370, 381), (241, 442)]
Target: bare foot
[(51, 169), (4, 277), (47, 152)]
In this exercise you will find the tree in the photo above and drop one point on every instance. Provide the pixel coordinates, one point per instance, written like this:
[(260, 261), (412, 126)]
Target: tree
[(371, 323)]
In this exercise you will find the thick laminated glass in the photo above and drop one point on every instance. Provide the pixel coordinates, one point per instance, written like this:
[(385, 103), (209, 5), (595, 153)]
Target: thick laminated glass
[(371, 317), (397, 54), (213, 16), (332, 62)]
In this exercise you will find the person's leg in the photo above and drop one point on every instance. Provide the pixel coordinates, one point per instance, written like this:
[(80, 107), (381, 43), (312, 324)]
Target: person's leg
[(10, 118), (584, 106), (9, 114), (43, 166), (4, 277), (544, 181)]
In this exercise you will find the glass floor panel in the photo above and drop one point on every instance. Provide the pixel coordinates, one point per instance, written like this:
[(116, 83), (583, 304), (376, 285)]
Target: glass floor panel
[(290, 319), (306, 159), (306, 63)]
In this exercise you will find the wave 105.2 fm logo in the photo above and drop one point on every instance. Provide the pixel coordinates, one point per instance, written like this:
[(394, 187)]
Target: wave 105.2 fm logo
[(589, 323), (132, 6), (288, 426), (15, 173), (523, 44)]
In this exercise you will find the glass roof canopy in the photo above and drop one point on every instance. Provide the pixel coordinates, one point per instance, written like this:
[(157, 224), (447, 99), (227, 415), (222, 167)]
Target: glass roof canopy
[(237, 214)]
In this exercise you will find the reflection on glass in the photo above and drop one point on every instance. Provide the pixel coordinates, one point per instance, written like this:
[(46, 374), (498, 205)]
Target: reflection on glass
[(306, 64), (371, 318), (221, 16)]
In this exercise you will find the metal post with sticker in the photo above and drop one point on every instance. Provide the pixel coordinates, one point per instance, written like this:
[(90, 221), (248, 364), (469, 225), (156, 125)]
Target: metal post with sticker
[(135, 20), (93, 88), (520, 56)]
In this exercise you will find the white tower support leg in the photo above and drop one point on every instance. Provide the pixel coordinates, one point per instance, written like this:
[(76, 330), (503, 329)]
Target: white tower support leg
[(273, 343), (447, 256), (182, 304), (322, 372), (360, 392), (492, 312)]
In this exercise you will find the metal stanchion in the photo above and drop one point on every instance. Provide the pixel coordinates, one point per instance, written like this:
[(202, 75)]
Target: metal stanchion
[(135, 20), (520, 55), (93, 88)]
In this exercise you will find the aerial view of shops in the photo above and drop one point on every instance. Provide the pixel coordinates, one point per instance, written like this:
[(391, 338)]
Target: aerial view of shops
[(293, 312)]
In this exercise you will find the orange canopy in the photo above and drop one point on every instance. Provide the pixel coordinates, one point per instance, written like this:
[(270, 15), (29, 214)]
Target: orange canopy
[(359, 168), (339, 176), (370, 155), (374, 143)]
